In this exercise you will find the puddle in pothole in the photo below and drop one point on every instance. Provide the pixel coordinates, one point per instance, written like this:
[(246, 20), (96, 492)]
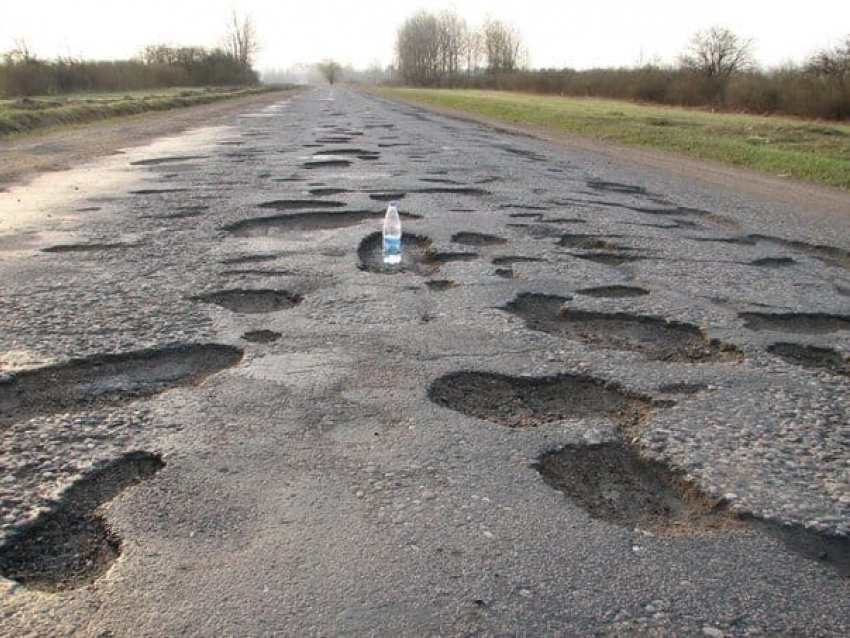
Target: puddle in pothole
[(72, 545), (614, 292), (520, 402), (812, 357), (300, 204), (261, 336), (613, 483), (278, 225), (252, 302), (799, 323), (109, 379), (414, 256), (478, 240), (654, 337)]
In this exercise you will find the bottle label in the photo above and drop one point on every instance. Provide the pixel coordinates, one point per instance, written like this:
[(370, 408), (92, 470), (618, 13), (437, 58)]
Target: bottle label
[(392, 245)]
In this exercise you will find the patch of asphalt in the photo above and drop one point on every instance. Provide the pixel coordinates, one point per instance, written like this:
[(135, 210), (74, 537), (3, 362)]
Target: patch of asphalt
[(314, 487)]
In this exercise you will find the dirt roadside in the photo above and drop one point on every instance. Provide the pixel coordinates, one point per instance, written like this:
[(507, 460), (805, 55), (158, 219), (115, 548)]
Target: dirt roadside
[(791, 191), (22, 158)]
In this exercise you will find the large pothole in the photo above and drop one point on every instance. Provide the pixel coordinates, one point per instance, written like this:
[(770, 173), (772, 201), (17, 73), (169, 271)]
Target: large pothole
[(812, 357), (654, 337), (279, 225), (612, 482), (107, 379), (520, 402), (252, 302), (72, 545)]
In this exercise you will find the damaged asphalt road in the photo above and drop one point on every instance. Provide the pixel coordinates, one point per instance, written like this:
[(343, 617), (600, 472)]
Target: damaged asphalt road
[(594, 398)]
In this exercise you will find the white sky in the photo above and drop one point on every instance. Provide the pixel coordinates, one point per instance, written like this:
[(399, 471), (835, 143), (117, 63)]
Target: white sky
[(360, 32)]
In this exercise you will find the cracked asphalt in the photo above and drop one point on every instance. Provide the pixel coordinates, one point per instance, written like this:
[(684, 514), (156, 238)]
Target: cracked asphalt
[(311, 487)]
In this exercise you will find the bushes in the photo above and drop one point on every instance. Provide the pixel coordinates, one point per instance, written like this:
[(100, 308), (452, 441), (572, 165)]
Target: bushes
[(789, 91), (31, 76)]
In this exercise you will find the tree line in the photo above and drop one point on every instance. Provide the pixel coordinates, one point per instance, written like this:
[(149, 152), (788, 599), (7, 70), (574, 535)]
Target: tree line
[(23, 73), (716, 70)]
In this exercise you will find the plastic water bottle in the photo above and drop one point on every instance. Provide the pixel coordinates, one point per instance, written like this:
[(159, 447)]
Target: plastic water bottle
[(392, 235)]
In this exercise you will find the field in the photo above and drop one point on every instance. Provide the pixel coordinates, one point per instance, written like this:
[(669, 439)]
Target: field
[(23, 115), (814, 151)]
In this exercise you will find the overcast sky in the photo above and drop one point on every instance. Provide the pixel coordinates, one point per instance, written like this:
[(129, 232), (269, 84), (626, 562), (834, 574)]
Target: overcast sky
[(578, 34)]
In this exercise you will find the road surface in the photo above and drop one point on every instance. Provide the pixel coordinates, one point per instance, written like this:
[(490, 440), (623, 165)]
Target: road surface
[(595, 398)]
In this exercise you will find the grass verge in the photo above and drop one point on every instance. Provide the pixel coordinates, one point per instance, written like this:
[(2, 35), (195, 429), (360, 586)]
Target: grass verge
[(813, 151), (29, 114)]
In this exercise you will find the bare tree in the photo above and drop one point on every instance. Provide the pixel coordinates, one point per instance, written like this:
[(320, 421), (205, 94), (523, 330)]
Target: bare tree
[(832, 64), (717, 53), (452, 32), (418, 49), (331, 70), (241, 40), (502, 46), (21, 53)]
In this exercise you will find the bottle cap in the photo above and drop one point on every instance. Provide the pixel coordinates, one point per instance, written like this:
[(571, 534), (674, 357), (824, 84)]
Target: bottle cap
[(393, 204)]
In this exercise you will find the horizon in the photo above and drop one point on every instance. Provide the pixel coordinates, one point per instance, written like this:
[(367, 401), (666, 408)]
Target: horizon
[(655, 31)]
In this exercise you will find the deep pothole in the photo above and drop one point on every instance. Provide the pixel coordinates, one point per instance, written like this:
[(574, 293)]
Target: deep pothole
[(796, 322), (655, 337), (301, 204), (521, 402), (72, 544), (251, 302), (416, 256), (109, 379), (614, 483), (812, 357)]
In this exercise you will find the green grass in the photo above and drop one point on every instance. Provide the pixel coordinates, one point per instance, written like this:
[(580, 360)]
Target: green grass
[(24, 115), (813, 151)]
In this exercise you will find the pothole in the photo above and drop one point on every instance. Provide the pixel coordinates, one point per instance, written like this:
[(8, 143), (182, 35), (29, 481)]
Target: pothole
[(828, 254), (109, 379), (156, 161), (386, 196), (799, 323), (812, 357), (278, 225), (616, 187), (301, 204), (261, 336), (614, 292), (324, 192), (329, 163), (609, 259), (477, 239), (248, 259), (613, 483), (72, 545), (773, 262), (83, 248), (654, 337), (589, 242), (449, 190), (251, 302), (510, 260), (158, 191), (521, 402), (414, 255), (683, 387), (440, 284)]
